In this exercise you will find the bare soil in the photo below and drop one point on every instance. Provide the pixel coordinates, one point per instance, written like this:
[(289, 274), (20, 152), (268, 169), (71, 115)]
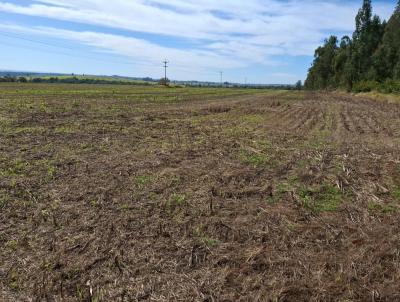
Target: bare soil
[(261, 196)]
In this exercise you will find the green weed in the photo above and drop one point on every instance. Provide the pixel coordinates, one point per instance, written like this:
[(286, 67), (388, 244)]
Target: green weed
[(142, 180), (177, 199), (18, 168), (43, 107), (325, 199), (254, 159), (64, 130), (76, 104), (197, 232), (253, 119), (383, 208), (396, 193), (4, 200), (281, 190), (12, 244), (51, 170)]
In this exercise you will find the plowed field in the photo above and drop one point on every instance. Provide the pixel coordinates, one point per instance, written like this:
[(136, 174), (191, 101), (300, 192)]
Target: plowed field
[(148, 194)]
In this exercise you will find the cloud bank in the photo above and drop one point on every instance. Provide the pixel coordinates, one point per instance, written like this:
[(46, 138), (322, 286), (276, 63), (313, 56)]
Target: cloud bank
[(216, 34)]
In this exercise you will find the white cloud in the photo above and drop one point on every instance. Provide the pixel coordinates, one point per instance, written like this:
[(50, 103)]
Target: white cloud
[(224, 33)]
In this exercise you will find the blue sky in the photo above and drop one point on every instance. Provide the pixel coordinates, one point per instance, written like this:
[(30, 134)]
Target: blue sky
[(265, 41)]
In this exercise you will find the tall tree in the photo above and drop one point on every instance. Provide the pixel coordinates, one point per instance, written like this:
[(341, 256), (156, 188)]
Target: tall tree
[(340, 62), (321, 74), (372, 54), (389, 51), (363, 19), (367, 36)]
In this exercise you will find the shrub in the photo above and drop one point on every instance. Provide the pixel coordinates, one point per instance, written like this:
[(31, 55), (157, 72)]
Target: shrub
[(366, 86), (390, 86)]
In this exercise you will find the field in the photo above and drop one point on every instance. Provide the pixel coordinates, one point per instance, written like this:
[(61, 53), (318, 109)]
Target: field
[(119, 193)]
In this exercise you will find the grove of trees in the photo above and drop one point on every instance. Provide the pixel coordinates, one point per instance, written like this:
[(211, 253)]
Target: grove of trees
[(368, 60)]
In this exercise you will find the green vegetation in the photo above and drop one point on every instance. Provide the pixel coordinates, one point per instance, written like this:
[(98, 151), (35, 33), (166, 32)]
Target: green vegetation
[(327, 198), (383, 208), (281, 190), (18, 167), (143, 180), (75, 80), (396, 193), (370, 60), (177, 200), (199, 233), (252, 158)]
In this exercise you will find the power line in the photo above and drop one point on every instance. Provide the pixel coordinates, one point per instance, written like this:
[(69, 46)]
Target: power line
[(75, 55), (6, 34)]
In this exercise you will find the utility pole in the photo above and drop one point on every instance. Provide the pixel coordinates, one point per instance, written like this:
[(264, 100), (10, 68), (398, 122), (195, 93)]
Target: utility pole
[(245, 82), (221, 77), (165, 71)]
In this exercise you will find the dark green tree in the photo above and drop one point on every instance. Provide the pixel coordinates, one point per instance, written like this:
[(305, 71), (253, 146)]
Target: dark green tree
[(363, 19), (341, 61), (321, 73), (388, 54), (366, 40)]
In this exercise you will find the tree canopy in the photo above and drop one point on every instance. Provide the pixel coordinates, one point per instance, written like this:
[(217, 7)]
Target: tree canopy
[(371, 54)]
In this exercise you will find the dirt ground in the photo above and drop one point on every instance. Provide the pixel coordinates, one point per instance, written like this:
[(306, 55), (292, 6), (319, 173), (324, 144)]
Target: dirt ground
[(143, 194)]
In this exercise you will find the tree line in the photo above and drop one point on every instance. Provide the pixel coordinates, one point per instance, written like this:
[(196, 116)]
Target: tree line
[(68, 80), (369, 60)]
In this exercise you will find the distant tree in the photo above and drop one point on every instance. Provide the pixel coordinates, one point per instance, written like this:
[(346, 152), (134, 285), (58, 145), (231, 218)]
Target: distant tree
[(22, 80), (9, 79), (164, 82), (298, 85)]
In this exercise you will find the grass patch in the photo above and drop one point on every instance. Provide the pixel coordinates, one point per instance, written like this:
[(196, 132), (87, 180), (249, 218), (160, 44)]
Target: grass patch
[(4, 200), (253, 119), (325, 199), (177, 200), (142, 180), (18, 168), (252, 158), (236, 131), (319, 140), (176, 206), (281, 190), (64, 130), (383, 208), (396, 193), (197, 232), (51, 170)]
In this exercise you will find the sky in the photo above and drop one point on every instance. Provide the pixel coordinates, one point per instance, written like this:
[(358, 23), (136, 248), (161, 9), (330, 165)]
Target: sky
[(253, 41)]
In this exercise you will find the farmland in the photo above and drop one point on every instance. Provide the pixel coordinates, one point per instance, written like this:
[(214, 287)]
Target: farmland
[(120, 193)]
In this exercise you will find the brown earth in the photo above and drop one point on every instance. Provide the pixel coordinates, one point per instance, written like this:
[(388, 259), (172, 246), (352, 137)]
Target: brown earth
[(268, 196)]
